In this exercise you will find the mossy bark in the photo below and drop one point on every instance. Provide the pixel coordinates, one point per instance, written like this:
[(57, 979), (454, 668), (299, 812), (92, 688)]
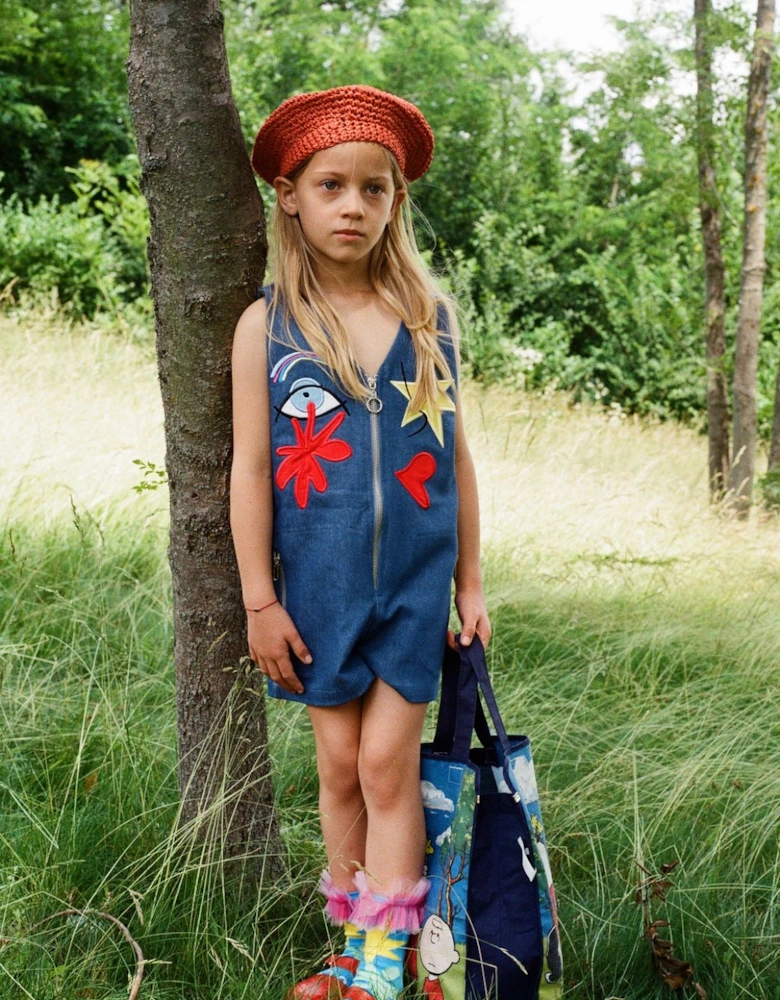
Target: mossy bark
[(207, 254)]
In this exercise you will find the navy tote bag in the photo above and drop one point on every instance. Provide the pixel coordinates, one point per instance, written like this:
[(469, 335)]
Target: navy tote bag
[(490, 930)]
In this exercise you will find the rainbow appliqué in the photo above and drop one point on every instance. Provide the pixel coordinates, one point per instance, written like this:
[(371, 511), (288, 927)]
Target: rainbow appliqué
[(283, 365)]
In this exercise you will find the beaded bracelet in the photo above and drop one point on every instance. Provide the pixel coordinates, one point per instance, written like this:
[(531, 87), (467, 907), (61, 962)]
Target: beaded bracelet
[(269, 605)]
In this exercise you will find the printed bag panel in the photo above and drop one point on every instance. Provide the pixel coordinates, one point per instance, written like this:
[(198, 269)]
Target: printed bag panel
[(490, 929), (524, 782), (505, 949), (449, 800), (481, 936)]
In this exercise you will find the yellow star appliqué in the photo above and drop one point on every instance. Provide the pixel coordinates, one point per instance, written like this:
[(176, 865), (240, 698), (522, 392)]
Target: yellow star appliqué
[(432, 411)]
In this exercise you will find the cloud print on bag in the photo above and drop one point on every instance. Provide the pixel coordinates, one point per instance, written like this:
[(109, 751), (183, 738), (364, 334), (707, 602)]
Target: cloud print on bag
[(501, 784), (523, 771), (434, 798), (444, 836)]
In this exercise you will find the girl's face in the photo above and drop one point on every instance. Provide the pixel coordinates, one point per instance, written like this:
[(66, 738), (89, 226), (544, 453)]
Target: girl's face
[(344, 197)]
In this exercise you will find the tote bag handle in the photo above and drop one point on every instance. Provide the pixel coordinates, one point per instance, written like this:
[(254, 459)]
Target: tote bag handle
[(464, 675)]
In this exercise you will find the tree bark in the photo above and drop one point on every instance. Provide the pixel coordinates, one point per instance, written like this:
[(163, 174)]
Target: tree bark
[(207, 256), (714, 306), (743, 466)]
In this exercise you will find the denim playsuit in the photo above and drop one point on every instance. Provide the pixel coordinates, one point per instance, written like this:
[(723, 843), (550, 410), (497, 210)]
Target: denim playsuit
[(365, 519)]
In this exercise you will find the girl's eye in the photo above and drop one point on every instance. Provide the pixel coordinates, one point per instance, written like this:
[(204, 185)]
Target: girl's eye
[(305, 391), (376, 189), (329, 185)]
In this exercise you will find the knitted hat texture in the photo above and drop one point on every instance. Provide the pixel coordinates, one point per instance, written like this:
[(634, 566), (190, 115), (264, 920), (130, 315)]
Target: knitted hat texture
[(306, 123)]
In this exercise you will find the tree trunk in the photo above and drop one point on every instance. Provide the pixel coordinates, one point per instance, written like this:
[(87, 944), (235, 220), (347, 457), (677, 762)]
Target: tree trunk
[(207, 256), (717, 390), (774, 450), (743, 465)]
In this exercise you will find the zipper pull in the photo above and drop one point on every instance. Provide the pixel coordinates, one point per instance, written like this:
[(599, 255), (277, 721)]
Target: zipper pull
[(277, 563), (373, 404)]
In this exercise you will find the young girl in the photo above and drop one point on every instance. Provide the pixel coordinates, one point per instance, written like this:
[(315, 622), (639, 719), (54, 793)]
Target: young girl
[(354, 500)]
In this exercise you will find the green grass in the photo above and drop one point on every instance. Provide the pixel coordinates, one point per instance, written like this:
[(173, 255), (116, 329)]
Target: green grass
[(637, 640)]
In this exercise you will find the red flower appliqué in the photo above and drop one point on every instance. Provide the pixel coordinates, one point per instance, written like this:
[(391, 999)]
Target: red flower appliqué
[(302, 460)]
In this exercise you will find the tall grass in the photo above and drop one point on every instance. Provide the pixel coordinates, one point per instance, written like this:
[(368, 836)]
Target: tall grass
[(636, 640)]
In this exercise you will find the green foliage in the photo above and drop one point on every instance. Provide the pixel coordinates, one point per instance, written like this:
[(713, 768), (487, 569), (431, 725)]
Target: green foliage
[(62, 89), (769, 486), (48, 246), (90, 251), (113, 194), (153, 478)]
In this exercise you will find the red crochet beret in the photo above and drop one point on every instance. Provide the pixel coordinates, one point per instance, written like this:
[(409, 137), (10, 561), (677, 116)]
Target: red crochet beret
[(303, 124)]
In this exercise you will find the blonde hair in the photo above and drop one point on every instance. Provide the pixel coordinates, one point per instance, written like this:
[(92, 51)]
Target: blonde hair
[(399, 276)]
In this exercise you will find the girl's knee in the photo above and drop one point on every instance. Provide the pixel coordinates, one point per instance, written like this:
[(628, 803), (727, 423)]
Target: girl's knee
[(338, 771), (386, 777)]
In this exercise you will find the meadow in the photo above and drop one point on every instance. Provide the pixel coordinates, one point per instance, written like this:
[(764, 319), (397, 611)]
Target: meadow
[(637, 641)]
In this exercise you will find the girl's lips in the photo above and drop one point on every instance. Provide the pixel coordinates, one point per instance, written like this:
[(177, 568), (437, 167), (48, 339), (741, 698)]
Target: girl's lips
[(348, 232)]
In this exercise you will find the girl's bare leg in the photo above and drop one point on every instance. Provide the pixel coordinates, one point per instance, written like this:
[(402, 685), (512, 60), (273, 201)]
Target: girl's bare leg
[(389, 770), (342, 810)]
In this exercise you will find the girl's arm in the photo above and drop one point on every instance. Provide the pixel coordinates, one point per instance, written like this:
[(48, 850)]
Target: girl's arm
[(271, 632), (469, 598)]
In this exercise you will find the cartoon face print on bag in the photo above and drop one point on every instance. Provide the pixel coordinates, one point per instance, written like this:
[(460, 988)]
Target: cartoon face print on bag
[(308, 400), (437, 949)]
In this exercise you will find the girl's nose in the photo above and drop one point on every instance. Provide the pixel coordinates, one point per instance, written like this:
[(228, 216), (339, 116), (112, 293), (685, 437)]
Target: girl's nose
[(353, 202)]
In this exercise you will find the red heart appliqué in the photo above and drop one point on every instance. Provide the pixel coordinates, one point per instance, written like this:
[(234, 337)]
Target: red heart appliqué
[(414, 477)]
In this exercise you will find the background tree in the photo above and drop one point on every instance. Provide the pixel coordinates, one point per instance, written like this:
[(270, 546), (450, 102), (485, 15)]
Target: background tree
[(207, 257), (714, 299), (753, 260)]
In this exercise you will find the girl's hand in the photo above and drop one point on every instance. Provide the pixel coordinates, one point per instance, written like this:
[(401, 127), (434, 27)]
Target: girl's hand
[(272, 634), (473, 616)]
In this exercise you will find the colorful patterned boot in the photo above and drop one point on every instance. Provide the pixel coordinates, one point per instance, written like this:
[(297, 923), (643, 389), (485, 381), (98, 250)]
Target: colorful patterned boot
[(388, 921), (331, 982)]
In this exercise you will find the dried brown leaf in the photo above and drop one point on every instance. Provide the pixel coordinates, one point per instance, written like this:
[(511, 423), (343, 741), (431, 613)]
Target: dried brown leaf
[(700, 990), (659, 889), (654, 927), (674, 972), (669, 866)]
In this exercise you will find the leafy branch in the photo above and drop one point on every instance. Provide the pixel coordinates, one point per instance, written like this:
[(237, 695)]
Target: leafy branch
[(154, 476)]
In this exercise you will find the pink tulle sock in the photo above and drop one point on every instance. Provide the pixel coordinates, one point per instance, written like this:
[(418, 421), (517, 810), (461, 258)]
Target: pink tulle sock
[(339, 903), (401, 910)]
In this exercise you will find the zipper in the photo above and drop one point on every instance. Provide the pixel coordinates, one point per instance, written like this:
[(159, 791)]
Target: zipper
[(277, 575), (374, 406)]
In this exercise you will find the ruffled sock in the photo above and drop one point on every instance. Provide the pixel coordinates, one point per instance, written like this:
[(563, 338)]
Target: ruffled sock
[(388, 921), (339, 906), (381, 970), (332, 981)]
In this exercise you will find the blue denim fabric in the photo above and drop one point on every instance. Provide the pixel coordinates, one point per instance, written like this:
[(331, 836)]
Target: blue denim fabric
[(363, 558)]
